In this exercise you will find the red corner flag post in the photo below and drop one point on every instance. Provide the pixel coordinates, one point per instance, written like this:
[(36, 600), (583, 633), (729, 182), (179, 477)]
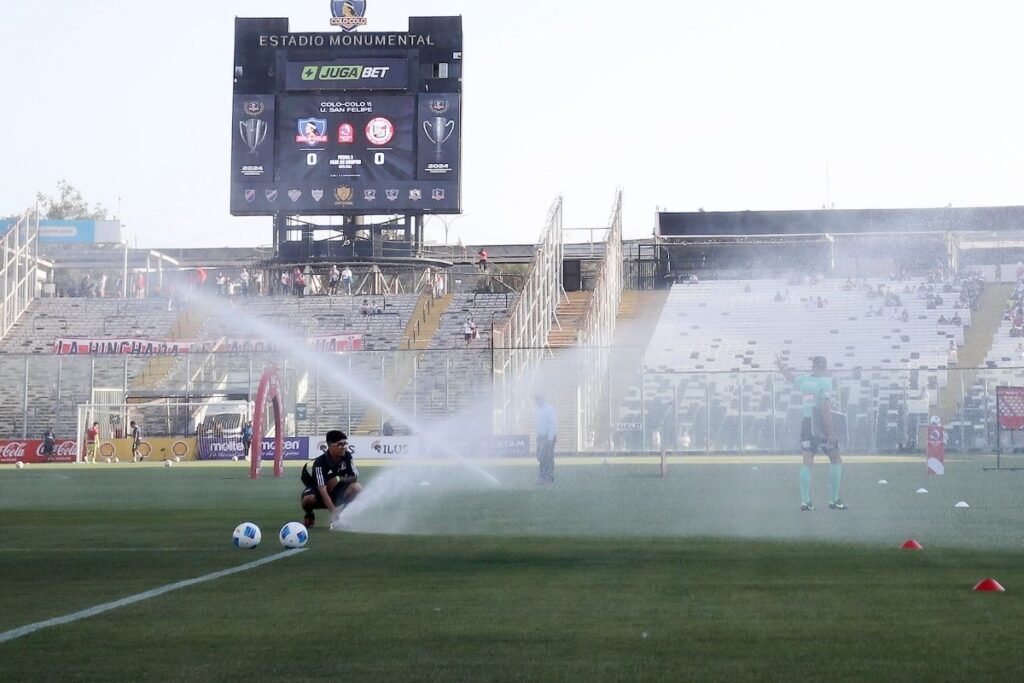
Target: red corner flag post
[(936, 450)]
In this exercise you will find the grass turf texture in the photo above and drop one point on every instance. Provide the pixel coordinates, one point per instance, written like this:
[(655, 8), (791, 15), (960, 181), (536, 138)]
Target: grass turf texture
[(613, 574)]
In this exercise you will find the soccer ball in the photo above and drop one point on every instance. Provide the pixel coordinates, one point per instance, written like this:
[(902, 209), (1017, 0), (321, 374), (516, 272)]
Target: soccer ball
[(293, 535), (106, 460), (168, 463), (935, 421), (246, 535), (234, 458), (19, 464)]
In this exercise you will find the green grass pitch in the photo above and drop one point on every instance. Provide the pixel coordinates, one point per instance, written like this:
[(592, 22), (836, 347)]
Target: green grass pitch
[(613, 574)]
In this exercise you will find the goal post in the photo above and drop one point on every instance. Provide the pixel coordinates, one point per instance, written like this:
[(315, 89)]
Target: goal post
[(194, 430)]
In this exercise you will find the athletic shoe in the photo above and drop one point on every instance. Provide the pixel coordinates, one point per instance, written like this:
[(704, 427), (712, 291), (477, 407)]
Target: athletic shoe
[(804, 507), (837, 505), (309, 520)]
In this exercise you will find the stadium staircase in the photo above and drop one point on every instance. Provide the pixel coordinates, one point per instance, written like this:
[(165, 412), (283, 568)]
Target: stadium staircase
[(570, 313), (978, 339), (638, 315), (419, 331), (562, 339), (187, 326)]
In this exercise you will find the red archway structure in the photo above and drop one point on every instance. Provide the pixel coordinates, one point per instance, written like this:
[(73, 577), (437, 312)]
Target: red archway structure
[(270, 388)]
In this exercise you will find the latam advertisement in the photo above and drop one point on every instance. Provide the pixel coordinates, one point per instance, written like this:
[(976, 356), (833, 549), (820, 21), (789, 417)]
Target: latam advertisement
[(66, 346), (31, 450)]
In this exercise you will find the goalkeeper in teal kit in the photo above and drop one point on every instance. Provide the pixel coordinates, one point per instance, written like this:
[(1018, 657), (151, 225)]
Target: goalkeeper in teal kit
[(817, 429)]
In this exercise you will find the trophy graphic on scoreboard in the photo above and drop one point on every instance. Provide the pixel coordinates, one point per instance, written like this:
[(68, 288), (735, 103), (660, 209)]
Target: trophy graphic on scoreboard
[(438, 130), (253, 132)]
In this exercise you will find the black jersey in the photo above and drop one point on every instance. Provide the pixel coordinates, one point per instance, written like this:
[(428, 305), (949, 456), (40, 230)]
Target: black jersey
[(320, 470)]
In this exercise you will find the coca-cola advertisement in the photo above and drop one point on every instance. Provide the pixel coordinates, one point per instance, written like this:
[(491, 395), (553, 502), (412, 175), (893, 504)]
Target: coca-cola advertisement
[(31, 450)]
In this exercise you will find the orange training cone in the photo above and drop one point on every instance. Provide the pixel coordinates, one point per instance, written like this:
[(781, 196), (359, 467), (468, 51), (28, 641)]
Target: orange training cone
[(989, 586), (911, 544)]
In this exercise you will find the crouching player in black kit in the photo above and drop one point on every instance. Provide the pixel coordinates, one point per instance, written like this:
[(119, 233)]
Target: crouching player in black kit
[(330, 480)]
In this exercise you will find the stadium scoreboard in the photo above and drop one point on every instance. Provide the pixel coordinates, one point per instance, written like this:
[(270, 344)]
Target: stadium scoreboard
[(346, 123)]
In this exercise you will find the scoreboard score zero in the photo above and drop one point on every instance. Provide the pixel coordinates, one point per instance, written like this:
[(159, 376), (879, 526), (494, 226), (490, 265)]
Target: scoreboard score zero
[(365, 127)]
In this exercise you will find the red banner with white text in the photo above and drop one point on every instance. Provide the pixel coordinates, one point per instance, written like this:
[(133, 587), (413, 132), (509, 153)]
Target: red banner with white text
[(82, 346), (31, 450)]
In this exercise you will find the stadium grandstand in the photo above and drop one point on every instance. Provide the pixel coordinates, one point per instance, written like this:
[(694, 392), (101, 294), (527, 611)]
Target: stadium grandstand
[(667, 342)]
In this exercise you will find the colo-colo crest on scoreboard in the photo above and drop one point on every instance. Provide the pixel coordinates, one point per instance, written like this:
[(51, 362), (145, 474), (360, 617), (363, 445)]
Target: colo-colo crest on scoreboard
[(346, 121)]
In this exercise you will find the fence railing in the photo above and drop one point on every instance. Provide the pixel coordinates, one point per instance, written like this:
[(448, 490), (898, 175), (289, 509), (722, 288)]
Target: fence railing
[(18, 268), (754, 411)]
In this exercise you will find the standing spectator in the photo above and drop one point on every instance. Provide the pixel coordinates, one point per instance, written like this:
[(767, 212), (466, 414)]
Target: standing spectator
[(332, 280), (140, 286), (222, 284), (49, 440), (286, 282), (257, 281), (482, 260), (103, 285), (951, 355), (92, 439), (244, 278), (462, 248), (469, 330), (346, 279), (387, 429), (439, 284), (547, 434), (135, 434), (201, 277), (299, 282), (246, 438)]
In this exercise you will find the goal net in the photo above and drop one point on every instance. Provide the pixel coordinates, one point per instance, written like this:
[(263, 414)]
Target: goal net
[(185, 430)]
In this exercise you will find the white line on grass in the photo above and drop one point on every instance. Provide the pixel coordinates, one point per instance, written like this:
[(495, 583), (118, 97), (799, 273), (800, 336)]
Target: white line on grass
[(139, 597)]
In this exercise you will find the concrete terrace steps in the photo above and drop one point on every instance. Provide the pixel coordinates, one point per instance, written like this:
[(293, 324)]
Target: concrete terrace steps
[(978, 341), (571, 312), (419, 332)]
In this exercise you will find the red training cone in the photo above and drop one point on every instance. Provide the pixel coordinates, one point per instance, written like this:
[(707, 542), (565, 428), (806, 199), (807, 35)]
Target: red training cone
[(989, 586), (911, 544)]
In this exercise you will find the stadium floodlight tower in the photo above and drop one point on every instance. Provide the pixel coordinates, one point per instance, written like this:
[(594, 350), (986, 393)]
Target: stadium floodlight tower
[(346, 137)]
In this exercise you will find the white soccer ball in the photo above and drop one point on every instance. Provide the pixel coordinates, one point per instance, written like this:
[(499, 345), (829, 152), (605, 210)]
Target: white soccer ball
[(19, 464), (234, 458), (935, 421), (106, 459), (177, 458), (168, 463), (293, 535), (246, 535)]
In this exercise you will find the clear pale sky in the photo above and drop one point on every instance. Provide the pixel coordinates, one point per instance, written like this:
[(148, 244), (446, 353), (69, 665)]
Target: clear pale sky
[(725, 105)]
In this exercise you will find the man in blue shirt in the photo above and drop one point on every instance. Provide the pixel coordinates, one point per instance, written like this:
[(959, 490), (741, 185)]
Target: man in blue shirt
[(547, 433), (817, 429)]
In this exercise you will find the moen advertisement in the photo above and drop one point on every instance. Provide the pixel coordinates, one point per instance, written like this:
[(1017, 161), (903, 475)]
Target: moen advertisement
[(347, 74)]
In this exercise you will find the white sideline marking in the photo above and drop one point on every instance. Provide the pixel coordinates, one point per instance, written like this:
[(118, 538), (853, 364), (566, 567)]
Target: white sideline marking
[(139, 597)]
